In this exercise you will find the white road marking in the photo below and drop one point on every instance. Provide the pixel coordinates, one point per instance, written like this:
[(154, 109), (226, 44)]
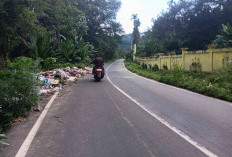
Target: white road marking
[(27, 142), (177, 131), (125, 77)]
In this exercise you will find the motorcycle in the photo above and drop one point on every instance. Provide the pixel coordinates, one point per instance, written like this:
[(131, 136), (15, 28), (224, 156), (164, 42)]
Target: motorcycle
[(99, 73)]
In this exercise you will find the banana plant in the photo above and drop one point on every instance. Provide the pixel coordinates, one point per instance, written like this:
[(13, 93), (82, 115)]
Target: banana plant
[(84, 49), (68, 50), (225, 37), (39, 46), (227, 32)]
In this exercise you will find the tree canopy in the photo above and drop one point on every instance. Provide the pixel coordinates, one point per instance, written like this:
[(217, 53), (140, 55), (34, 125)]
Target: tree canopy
[(193, 24), (42, 28), (136, 34)]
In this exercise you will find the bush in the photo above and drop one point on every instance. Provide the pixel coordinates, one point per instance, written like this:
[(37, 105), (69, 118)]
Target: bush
[(155, 68), (54, 63), (136, 62), (144, 66), (2, 137), (164, 67), (195, 67), (18, 91), (178, 72), (129, 56), (50, 63)]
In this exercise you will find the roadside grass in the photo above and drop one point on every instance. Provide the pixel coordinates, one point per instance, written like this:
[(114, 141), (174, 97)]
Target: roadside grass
[(18, 90), (216, 85)]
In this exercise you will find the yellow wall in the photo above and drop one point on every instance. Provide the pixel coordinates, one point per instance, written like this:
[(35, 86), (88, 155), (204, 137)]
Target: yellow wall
[(201, 58), (221, 60), (207, 61), (176, 61)]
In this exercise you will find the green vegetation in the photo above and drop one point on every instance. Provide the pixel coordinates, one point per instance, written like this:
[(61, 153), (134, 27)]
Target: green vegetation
[(193, 24), (225, 37), (2, 137), (49, 34), (19, 87), (58, 33), (125, 46), (136, 34), (71, 30), (215, 85), (18, 91)]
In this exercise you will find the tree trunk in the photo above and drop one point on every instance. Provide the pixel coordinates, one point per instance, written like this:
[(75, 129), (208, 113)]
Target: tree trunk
[(4, 54), (2, 58), (7, 51), (2, 62), (7, 56)]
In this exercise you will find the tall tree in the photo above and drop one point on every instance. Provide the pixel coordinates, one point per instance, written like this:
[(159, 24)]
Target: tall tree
[(136, 34), (193, 24), (103, 30), (16, 22), (24, 24), (22, 21)]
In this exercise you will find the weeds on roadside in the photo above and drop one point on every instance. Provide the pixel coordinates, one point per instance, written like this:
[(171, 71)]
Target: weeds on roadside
[(212, 84), (18, 91), (2, 143)]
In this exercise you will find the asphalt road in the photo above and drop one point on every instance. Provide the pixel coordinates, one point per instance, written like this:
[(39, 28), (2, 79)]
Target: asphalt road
[(94, 119)]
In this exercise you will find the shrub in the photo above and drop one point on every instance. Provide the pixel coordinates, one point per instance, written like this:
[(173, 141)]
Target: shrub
[(129, 56), (50, 63), (144, 66), (18, 91), (54, 63), (195, 66), (164, 67), (178, 72), (155, 67), (2, 137), (136, 62)]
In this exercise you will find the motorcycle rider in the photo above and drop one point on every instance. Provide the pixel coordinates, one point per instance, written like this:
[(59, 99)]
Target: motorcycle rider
[(98, 62)]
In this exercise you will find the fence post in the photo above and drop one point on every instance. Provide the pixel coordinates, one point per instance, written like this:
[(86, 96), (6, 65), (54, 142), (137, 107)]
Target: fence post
[(184, 50), (211, 48), (169, 55), (160, 58)]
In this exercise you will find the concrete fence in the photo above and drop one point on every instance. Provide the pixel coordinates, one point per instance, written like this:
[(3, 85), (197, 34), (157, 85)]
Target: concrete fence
[(209, 60)]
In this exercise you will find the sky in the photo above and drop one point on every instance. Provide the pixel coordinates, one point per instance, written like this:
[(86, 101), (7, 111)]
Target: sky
[(146, 10)]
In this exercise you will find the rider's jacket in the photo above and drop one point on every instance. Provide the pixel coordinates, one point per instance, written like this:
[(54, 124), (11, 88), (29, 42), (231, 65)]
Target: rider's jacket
[(99, 61)]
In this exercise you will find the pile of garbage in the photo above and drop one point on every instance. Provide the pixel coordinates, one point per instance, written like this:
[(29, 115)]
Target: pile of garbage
[(52, 81)]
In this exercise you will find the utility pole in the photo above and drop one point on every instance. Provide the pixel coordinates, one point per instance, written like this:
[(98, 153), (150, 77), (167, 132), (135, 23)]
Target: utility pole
[(134, 52)]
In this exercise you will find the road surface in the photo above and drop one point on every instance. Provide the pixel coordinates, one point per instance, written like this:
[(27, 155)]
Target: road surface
[(126, 115)]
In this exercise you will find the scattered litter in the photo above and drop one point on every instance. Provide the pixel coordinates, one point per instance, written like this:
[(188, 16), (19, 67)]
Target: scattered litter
[(56, 82), (72, 79), (18, 120), (60, 121), (37, 108), (60, 73), (56, 89)]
